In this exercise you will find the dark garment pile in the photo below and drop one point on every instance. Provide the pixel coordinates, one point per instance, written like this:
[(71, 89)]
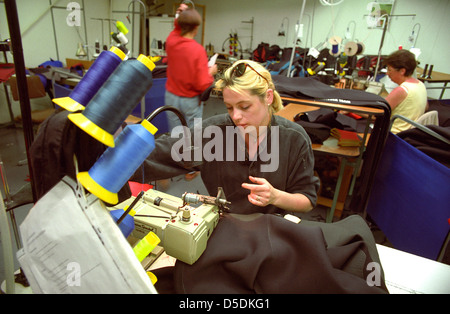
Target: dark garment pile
[(52, 153), (431, 146), (318, 123), (310, 88), (271, 255)]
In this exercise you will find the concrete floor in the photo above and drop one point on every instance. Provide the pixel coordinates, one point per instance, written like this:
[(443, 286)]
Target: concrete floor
[(15, 170)]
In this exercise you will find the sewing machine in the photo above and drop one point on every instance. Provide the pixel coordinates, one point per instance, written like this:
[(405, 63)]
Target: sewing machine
[(182, 228)]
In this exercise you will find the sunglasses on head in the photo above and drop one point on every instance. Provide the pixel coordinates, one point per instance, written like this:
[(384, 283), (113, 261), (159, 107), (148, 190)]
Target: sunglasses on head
[(239, 70)]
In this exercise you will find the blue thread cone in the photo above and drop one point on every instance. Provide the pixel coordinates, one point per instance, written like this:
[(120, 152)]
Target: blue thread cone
[(116, 165), (115, 100), (92, 81)]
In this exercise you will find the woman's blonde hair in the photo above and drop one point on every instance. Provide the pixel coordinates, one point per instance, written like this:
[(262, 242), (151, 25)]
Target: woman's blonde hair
[(251, 81)]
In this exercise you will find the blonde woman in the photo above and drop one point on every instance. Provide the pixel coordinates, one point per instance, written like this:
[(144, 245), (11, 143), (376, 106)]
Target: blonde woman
[(263, 162)]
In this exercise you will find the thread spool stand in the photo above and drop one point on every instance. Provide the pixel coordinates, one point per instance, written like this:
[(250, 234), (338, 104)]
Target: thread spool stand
[(386, 23), (115, 100), (99, 72), (428, 77), (335, 41), (424, 73), (352, 48), (117, 164)]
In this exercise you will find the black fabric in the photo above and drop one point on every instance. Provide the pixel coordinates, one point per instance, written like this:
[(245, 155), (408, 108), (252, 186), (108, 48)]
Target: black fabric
[(318, 123), (271, 255), (281, 67), (160, 70), (52, 152), (317, 132), (310, 88), (261, 52), (431, 146), (442, 106)]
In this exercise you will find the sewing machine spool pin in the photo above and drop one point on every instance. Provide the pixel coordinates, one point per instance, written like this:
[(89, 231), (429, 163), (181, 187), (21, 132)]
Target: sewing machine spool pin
[(220, 200)]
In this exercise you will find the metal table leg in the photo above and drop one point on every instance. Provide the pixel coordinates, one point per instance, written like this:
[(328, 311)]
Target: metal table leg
[(330, 213)]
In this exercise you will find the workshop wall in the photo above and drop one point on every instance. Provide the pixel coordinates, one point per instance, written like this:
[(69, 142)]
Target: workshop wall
[(41, 42), (46, 33), (223, 17)]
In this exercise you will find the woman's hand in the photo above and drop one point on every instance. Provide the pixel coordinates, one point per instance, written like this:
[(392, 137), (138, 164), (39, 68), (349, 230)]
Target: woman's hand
[(181, 8), (262, 193)]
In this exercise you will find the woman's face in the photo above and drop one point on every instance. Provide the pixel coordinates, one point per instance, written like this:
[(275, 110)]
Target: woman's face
[(396, 75), (246, 109)]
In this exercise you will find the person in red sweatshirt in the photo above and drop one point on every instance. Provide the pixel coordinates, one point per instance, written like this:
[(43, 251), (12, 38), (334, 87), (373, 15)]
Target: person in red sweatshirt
[(188, 74)]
